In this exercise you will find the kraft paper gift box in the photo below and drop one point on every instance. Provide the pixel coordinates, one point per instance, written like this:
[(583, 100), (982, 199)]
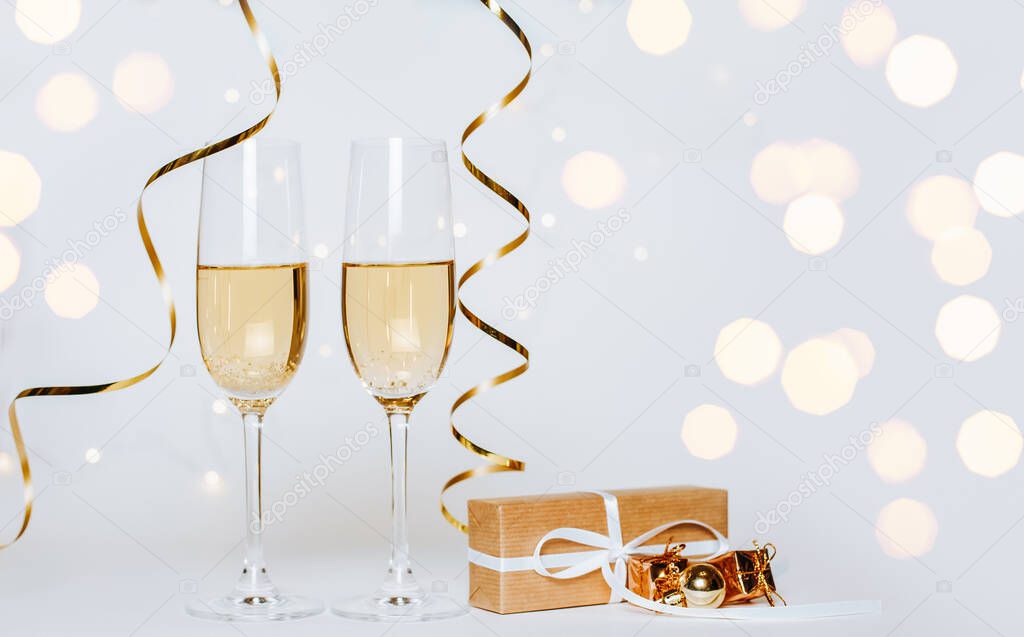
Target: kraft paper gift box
[(503, 533)]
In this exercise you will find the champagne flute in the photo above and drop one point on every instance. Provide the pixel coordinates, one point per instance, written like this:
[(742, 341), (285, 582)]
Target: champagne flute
[(251, 308), (398, 307)]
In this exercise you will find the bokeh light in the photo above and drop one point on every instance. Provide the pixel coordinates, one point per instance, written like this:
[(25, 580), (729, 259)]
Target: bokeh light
[(47, 21), (219, 406), (658, 26), (709, 432), (989, 443), (558, 134), (813, 224), (898, 452), (906, 528), (747, 351), (834, 171), (459, 230), (143, 82), (783, 171), (6, 463), (780, 173), (20, 188), (961, 256), (593, 180), (67, 102), (325, 351), (548, 220), (10, 262), (968, 328), (72, 291), (941, 203), (231, 96), (640, 253), (766, 15), (999, 184), (92, 455), (819, 376), (860, 347), (321, 251), (921, 71), (212, 482), (871, 39)]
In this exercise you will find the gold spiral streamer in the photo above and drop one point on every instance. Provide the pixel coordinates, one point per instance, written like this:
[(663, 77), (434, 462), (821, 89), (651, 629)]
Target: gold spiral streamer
[(158, 270), (496, 462)]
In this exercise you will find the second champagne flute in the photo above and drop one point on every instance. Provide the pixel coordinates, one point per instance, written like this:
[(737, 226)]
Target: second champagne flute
[(251, 310), (398, 307)]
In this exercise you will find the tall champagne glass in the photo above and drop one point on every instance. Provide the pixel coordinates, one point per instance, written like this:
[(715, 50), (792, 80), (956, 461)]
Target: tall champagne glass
[(251, 309), (398, 306)]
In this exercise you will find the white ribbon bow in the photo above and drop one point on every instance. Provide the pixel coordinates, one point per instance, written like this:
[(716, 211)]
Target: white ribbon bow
[(612, 550)]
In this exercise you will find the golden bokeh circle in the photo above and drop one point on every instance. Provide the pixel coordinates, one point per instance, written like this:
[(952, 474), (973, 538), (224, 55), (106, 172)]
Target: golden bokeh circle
[(989, 443), (941, 203), (813, 224), (999, 184), (961, 256), (709, 432), (593, 180), (921, 70), (968, 328), (898, 452), (47, 21), (72, 291), (780, 173), (819, 376), (67, 102), (658, 26), (747, 351), (143, 82), (873, 35), (906, 528), (20, 188)]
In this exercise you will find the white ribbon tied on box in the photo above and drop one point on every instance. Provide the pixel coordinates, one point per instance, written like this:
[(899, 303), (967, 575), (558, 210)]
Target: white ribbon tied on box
[(612, 551)]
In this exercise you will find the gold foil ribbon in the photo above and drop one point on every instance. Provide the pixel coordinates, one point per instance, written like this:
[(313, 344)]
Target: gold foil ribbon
[(496, 462), (154, 260)]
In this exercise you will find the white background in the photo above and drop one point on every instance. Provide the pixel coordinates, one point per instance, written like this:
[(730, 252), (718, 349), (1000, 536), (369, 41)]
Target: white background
[(115, 546)]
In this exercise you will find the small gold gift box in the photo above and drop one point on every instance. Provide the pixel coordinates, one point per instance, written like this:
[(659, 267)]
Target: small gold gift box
[(656, 576), (748, 574)]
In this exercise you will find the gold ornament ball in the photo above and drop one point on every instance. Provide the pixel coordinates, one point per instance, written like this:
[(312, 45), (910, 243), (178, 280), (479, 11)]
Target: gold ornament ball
[(703, 585)]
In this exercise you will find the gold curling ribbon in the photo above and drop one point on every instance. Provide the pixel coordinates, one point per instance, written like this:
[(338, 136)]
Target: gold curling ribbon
[(496, 462), (154, 260)]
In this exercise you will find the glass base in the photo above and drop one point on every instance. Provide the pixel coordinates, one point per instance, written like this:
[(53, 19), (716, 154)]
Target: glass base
[(400, 609), (254, 608)]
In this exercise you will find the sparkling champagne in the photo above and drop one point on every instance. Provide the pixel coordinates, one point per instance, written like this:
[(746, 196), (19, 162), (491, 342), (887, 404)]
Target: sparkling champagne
[(252, 328), (398, 326)]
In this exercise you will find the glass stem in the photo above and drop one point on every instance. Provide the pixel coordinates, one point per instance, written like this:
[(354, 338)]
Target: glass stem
[(254, 582), (400, 582)]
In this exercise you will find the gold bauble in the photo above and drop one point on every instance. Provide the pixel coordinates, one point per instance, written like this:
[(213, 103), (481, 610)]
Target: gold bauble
[(703, 585)]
